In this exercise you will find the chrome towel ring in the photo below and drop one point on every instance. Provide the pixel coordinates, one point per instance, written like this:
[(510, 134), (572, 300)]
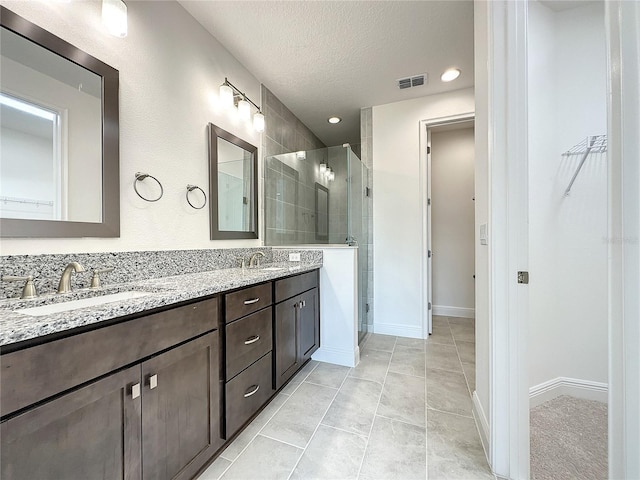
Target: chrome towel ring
[(191, 188), (139, 178)]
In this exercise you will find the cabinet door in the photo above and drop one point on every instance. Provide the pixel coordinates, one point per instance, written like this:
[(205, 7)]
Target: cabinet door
[(309, 324), (286, 340), (91, 433), (181, 409)]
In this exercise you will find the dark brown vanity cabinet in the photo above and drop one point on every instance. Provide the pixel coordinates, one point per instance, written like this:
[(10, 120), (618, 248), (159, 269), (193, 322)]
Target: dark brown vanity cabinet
[(297, 324), (181, 409), (248, 354), (91, 433), (156, 419)]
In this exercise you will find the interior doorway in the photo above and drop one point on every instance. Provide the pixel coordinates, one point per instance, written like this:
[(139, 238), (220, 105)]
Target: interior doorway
[(447, 161)]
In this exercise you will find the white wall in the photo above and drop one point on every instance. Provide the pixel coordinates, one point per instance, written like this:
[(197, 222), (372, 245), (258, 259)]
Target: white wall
[(567, 242), (452, 221), (170, 71), (397, 209)]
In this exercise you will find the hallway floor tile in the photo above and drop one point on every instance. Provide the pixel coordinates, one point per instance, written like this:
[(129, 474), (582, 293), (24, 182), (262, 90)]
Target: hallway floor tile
[(404, 412)]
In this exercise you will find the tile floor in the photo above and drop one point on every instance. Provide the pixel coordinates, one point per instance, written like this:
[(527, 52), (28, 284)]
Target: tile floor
[(404, 412)]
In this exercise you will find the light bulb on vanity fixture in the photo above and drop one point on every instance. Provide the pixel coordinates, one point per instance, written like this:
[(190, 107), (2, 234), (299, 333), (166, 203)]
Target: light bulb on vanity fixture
[(226, 95), (244, 109), (258, 121), (323, 168), (114, 17), (229, 94)]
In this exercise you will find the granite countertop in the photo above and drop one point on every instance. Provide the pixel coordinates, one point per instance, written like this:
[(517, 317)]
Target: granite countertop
[(159, 292)]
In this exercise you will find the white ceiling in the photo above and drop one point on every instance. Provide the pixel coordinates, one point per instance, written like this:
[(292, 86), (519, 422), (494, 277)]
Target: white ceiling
[(325, 58)]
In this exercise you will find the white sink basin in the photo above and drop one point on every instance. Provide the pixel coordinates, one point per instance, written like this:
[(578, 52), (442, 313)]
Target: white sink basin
[(83, 303)]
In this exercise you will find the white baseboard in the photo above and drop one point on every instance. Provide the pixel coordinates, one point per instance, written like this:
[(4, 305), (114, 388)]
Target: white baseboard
[(447, 311), (347, 358), (398, 330), (481, 424), (574, 387)]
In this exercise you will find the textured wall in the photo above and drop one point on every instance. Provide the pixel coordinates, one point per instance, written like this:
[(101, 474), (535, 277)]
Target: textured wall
[(567, 235), (170, 70), (397, 207)]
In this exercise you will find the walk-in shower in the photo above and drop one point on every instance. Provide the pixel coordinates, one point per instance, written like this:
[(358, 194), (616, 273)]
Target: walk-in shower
[(320, 197)]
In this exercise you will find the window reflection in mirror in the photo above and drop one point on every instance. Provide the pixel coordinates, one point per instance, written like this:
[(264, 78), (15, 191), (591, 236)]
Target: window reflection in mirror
[(233, 186), (51, 130)]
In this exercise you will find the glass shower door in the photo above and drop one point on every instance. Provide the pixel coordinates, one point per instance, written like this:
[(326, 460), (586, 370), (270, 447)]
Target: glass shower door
[(358, 231)]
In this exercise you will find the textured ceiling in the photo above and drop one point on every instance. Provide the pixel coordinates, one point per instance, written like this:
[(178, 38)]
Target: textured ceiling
[(324, 58)]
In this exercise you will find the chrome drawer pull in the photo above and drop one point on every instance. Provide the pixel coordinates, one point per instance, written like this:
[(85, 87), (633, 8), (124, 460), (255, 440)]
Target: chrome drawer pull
[(153, 381), (135, 391), (251, 340), (253, 300), (252, 392)]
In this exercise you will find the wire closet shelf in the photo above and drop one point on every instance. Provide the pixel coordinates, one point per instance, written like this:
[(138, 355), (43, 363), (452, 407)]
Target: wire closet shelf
[(591, 144)]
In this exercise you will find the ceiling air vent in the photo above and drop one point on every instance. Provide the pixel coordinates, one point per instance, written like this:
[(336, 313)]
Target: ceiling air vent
[(414, 81)]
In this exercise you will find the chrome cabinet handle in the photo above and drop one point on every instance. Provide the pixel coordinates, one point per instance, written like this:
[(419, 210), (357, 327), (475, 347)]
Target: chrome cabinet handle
[(251, 340), (252, 392), (253, 300), (302, 304), (153, 381), (135, 391)]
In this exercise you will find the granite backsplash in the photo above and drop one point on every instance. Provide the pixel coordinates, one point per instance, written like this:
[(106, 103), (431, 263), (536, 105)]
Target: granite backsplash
[(130, 266)]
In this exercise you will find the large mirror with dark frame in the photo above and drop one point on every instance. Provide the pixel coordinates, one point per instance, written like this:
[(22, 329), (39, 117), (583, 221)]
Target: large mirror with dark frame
[(233, 186), (59, 175)]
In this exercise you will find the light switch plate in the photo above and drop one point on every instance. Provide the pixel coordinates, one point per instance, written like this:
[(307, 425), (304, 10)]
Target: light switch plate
[(294, 257)]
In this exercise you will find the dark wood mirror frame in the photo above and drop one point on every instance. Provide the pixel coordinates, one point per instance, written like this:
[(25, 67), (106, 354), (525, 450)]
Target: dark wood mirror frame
[(110, 225), (216, 132)]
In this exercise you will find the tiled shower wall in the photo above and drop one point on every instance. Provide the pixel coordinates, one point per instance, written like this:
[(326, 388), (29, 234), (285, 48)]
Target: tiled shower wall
[(366, 146), (285, 133)]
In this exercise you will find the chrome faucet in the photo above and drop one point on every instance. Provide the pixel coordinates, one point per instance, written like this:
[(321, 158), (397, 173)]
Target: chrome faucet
[(254, 261), (65, 281)]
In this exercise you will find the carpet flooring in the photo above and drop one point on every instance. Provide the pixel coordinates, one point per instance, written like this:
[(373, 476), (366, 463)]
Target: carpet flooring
[(569, 440)]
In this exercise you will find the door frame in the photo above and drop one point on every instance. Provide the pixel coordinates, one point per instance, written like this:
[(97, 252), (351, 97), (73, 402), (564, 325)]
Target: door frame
[(426, 270), (623, 123)]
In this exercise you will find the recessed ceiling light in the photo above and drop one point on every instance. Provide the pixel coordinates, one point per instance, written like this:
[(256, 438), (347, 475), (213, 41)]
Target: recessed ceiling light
[(334, 120), (450, 75)]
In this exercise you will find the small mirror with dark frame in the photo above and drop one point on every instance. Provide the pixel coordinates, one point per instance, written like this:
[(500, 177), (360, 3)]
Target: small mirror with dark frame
[(60, 136), (233, 186)]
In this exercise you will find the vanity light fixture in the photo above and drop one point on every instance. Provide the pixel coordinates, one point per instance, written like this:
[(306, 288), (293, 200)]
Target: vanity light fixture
[(332, 176), (301, 155), (334, 120), (230, 95), (450, 74), (323, 168), (114, 17)]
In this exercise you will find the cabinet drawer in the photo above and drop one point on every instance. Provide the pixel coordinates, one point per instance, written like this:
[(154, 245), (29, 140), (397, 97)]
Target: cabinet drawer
[(247, 340), (247, 392), (246, 301), (36, 373), (289, 287)]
